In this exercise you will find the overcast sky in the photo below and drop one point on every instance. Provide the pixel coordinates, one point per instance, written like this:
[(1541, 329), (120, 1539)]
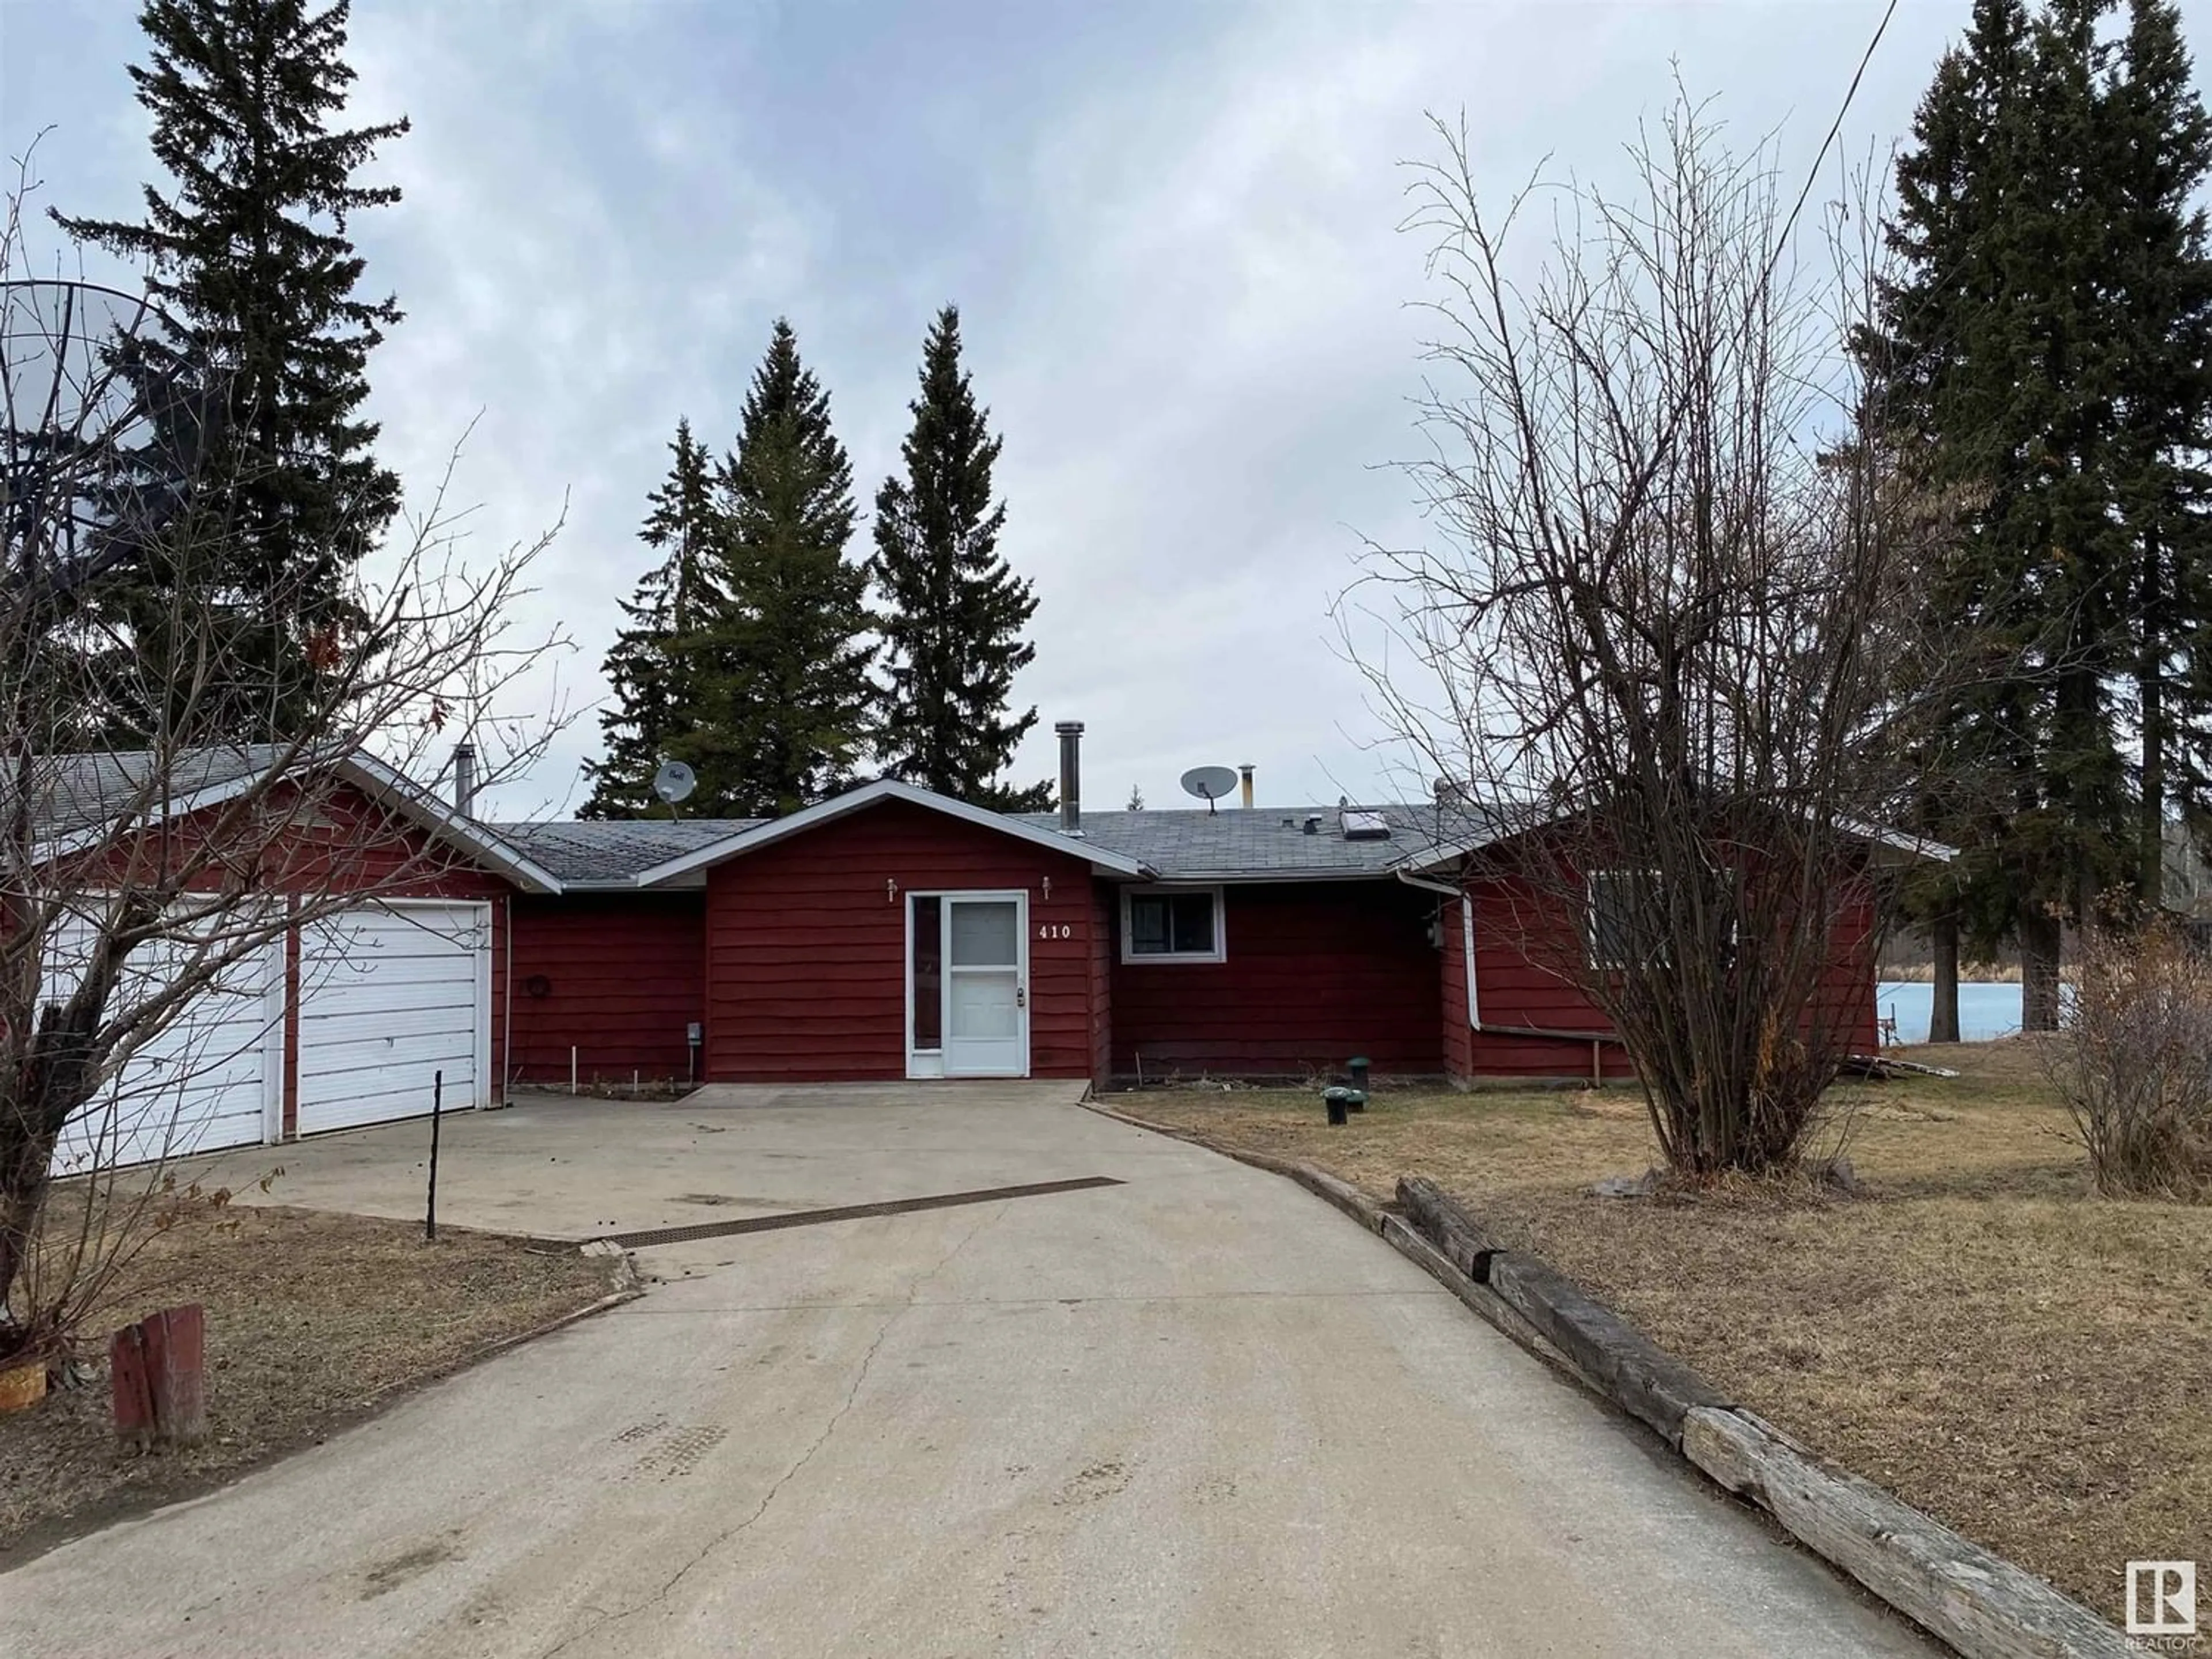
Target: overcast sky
[(1171, 230)]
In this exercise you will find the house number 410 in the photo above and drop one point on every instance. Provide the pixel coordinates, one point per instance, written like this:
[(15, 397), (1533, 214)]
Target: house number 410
[(1055, 930)]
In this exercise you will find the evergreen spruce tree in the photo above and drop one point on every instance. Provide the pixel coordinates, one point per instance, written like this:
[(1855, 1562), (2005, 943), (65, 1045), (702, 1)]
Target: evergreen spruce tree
[(2043, 360), (647, 668), (250, 254), (954, 609), (1945, 221), (2155, 157), (776, 673)]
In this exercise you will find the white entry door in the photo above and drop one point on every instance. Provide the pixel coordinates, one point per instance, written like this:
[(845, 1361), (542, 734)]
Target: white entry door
[(392, 996), (986, 1017)]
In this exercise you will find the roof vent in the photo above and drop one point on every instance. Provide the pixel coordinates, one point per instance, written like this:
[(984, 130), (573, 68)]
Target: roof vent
[(1313, 823), (1359, 824)]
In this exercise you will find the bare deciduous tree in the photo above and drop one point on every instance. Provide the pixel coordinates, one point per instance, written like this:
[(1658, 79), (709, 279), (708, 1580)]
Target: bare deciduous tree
[(1667, 635), (154, 849)]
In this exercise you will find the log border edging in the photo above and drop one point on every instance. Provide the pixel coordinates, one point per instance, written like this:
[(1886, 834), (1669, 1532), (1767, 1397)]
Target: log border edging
[(1981, 1605)]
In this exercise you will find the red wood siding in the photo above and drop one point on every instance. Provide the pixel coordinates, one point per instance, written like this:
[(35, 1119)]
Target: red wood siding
[(1520, 937), (1848, 993), (1458, 1037), (1518, 934), (1103, 901), (1316, 973), (621, 976), (806, 945)]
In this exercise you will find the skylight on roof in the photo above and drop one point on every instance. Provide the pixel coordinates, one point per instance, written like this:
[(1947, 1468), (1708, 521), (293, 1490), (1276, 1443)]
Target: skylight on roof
[(1359, 825)]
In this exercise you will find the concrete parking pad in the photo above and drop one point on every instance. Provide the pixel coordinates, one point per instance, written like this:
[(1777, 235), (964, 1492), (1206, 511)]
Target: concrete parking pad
[(1197, 1414), (554, 1166)]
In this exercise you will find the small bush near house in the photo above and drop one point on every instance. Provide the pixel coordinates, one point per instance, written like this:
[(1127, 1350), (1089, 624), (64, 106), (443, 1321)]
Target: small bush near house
[(2133, 1063)]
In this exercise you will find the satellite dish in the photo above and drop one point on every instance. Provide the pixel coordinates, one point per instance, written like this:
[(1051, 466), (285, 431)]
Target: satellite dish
[(107, 411), (1209, 783), (674, 781)]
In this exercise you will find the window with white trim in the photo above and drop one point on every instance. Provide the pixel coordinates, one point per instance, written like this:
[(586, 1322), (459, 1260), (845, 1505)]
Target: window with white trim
[(1172, 924), (1613, 915)]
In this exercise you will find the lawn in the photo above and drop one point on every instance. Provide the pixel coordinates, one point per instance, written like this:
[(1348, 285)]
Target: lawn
[(312, 1319), (1974, 1330)]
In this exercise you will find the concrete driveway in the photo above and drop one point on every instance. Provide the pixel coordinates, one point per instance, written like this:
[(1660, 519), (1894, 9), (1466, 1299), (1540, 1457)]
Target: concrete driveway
[(1195, 1413), (554, 1166)]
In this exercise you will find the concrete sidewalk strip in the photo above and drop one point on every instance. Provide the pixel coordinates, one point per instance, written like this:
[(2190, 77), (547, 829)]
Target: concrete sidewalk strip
[(1319, 1182), (1983, 1605)]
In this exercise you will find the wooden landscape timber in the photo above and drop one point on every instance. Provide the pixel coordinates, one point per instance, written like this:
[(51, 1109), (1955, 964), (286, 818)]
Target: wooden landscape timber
[(1980, 1603)]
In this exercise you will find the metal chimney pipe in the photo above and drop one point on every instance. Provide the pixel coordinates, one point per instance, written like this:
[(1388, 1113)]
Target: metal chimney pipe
[(1071, 776), (1244, 772), (465, 777)]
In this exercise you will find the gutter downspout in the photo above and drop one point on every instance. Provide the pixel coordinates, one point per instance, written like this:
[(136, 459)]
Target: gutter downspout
[(507, 1011), (1474, 1000), (1426, 886)]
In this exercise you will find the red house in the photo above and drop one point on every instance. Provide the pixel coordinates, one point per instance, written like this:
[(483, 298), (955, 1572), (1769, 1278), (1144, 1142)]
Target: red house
[(887, 933), (891, 933)]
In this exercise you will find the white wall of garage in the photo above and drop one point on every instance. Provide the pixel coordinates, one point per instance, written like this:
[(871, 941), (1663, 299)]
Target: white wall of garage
[(390, 996), (213, 1078)]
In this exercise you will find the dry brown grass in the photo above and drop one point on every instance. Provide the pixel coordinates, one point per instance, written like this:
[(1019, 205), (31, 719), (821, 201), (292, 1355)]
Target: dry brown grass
[(311, 1319), (1976, 1331)]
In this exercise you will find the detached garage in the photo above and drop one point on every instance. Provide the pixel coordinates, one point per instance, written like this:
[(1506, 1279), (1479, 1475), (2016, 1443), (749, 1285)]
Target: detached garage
[(344, 1018)]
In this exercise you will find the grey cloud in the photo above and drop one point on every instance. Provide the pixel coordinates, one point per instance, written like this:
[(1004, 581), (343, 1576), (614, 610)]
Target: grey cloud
[(1172, 230)]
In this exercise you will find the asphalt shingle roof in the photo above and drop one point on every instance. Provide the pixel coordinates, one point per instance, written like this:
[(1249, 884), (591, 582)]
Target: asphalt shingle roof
[(584, 852), (1180, 846), (71, 793), (1268, 840)]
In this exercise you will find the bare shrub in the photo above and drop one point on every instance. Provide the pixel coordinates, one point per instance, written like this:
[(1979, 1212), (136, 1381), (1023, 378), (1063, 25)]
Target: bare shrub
[(2132, 1060), (1665, 637)]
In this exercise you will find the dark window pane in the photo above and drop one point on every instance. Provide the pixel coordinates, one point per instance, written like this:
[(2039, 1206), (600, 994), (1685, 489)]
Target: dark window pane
[(1615, 920), (1193, 923), (928, 973), (1148, 924), (1171, 924)]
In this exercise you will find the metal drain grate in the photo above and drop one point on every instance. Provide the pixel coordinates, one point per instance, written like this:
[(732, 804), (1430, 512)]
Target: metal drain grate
[(769, 1224)]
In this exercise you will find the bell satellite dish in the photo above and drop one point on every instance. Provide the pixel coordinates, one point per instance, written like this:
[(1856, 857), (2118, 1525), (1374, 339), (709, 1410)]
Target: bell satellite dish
[(108, 411), (674, 781), (1209, 783)]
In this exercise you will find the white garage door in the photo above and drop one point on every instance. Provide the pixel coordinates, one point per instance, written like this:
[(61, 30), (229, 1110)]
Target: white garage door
[(211, 1079), (390, 995)]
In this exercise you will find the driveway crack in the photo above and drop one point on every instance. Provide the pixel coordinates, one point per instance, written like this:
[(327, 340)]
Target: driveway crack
[(828, 1428)]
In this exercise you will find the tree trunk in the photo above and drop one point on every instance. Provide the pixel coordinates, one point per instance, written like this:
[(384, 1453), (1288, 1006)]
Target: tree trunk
[(2151, 691), (2040, 936), (25, 1197), (1944, 1007)]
